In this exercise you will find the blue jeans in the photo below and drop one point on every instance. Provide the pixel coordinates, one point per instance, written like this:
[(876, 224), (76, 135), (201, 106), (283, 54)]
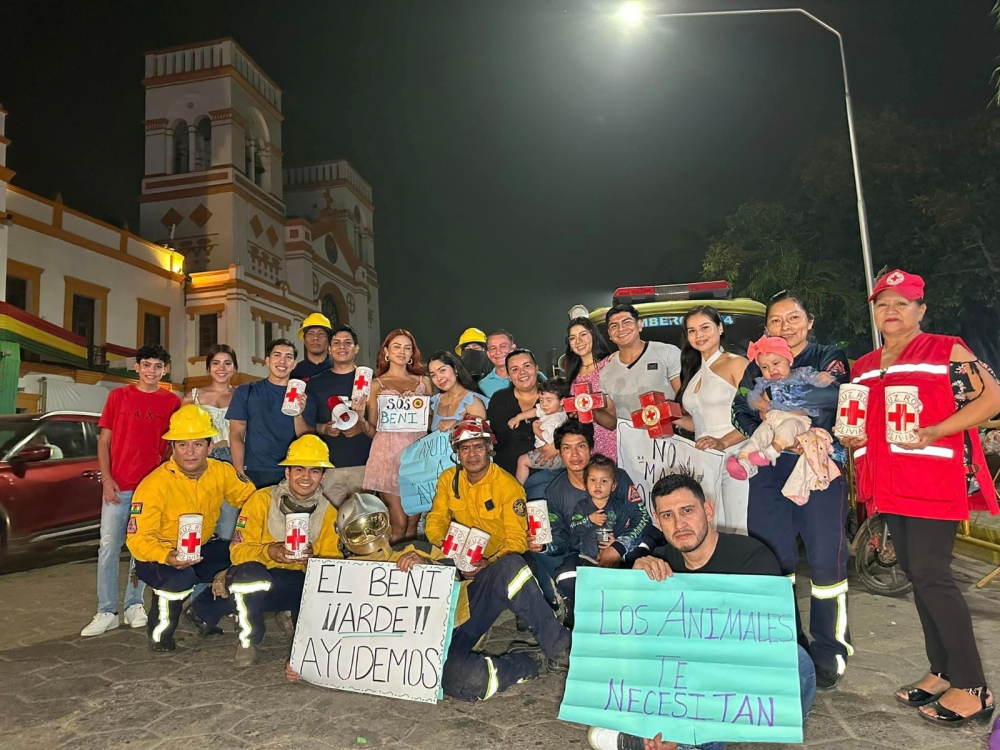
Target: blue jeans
[(114, 521)]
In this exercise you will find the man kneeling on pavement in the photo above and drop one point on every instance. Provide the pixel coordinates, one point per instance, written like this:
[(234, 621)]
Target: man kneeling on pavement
[(691, 544), (189, 483), (478, 494)]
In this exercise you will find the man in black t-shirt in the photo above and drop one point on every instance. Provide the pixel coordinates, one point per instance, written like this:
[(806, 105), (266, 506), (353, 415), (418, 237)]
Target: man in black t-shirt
[(349, 449), (684, 516)]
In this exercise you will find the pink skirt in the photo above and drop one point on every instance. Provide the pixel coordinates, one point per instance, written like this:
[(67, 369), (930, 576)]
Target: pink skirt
[(382, 469)]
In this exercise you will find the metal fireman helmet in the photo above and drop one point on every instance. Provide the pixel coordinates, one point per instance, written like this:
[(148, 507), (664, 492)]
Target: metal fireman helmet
[(363, 524), (308, 450), (190, 422), (470, 336), (316, 320), (471, 428)]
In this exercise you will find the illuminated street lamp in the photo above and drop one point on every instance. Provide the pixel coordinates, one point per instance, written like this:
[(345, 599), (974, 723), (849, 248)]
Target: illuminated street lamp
[(631, 16)]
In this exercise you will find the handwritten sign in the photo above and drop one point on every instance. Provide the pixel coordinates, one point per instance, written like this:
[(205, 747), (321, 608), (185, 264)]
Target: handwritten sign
[(368, 627), (403, 413), (700, 658), (420, 466), (648, 460)]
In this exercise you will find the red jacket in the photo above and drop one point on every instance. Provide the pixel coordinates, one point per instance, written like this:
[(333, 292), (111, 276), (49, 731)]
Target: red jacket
[(926, 483)]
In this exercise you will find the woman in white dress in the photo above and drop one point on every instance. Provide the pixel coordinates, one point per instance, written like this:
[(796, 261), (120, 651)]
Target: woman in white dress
[(709, 379)]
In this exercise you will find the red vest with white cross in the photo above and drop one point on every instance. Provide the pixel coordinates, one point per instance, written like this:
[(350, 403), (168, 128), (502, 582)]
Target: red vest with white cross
[(926, 483)]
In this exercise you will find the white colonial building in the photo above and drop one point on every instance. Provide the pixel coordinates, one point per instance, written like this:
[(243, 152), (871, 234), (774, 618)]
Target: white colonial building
[(232, 248)]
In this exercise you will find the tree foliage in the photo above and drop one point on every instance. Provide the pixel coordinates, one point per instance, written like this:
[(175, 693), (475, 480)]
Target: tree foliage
[(932, 191)]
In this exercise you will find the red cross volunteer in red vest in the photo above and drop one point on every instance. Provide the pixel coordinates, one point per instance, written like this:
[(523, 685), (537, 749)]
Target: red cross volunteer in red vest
[(921, 464)]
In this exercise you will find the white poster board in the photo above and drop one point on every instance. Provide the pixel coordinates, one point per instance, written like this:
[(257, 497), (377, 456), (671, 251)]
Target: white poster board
[(649, 459), (368, 627), (403, 413)]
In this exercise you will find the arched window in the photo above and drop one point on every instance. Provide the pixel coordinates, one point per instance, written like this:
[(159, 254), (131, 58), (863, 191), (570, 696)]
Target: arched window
[(203, 145), (180, 148)]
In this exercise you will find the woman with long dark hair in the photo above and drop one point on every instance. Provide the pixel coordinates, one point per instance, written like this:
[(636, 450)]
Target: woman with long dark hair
[(709, 377), (459, 394), (399, 372), (778, 521), (586, 355)]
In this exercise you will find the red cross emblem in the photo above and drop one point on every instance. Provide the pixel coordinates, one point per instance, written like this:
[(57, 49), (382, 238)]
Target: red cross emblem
[(292, 396), (902, 417), (853, 412), (534, 525), (656, 415), (449, 545), (361, 382), (190, 542), (474, 554), (583, 402), (295, 540)]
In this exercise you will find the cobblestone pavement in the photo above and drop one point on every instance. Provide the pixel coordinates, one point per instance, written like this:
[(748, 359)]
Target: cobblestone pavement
[(58, 690)]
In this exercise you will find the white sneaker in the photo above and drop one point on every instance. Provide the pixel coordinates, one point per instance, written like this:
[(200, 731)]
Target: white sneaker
[(609, 739), (135, 616), (102, 622)]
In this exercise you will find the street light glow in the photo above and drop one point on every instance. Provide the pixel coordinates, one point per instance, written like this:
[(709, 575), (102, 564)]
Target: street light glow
[(631, 14)]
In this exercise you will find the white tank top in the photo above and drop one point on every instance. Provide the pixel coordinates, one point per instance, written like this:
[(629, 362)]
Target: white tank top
[(711, 404)]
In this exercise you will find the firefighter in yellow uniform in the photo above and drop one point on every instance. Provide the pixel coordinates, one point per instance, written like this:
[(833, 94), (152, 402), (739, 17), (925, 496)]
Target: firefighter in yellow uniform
[(479, 494), (189, 483), (264, 577), (363, 528)]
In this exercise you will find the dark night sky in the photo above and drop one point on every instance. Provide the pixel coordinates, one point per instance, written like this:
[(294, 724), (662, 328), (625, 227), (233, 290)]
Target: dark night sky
[(525, 155)]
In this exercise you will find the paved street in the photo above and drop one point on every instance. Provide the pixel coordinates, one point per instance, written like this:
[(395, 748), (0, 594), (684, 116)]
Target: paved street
[(60, 691)]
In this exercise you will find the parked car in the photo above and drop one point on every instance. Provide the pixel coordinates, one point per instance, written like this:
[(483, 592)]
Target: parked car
[(50, 483)]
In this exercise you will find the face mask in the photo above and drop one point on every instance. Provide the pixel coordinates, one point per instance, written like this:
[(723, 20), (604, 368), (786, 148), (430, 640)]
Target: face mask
[(476, 362)]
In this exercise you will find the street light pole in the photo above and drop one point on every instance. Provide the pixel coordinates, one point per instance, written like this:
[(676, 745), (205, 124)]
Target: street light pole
[(866, 250)]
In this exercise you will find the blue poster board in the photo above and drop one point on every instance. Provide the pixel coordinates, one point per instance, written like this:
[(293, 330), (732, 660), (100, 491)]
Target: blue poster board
[(419, 468), (700, 658)]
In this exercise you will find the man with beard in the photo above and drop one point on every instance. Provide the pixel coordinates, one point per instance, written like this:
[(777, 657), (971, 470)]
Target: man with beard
[(264, 577), (684, 516)]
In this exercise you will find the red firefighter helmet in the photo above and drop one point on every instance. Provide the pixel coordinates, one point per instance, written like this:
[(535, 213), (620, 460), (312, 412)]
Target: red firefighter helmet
[(471, 428)]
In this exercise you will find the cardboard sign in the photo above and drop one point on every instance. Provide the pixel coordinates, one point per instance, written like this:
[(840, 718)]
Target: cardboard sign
[(403, 413), (420, 466), (368, 627), (647, 461), (698, 657)]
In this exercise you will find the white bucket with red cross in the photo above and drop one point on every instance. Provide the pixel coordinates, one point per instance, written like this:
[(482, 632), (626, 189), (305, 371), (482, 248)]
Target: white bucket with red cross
[(852, 411), (290, 405), (296, 534), (539, 528), (362, 385), (475, 548), (454, 540), (189, 537), (902, 413)]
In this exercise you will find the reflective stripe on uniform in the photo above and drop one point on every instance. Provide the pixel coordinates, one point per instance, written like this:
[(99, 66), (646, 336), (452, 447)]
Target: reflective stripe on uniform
[(239, 590), (830, 592), (791, 577), (930, 450), (522, 577), (837, 591), (163, 599), (494, 682), (566, 576)]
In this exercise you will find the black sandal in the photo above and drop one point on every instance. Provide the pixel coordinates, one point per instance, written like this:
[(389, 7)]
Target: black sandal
[(917, 697), (949, 718)]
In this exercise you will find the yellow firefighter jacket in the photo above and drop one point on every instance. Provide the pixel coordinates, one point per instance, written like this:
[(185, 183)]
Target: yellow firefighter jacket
[(166, 494), (251, 539), (495, 504)]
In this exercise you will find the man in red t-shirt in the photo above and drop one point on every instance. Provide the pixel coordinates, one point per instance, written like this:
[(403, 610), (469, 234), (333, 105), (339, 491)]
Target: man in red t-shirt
[(130, 447)]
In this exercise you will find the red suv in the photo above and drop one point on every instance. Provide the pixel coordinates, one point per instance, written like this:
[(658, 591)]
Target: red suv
[(50, 484)]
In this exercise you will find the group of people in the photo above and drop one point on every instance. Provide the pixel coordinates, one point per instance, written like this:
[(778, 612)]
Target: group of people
[(232, 455)]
